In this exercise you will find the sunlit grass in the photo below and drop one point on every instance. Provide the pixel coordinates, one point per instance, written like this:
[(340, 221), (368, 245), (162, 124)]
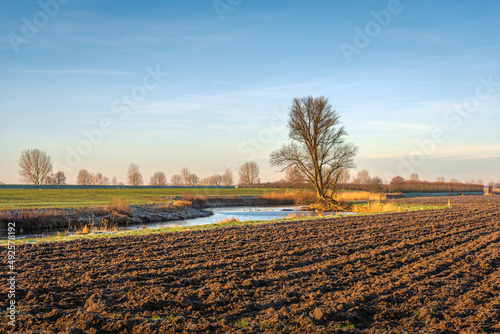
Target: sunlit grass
[(373, 207), (358, 196), (77, 198), (376, 206), (14, 199)]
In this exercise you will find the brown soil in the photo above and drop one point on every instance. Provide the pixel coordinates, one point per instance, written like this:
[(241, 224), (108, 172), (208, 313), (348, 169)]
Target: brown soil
[(432, 271)]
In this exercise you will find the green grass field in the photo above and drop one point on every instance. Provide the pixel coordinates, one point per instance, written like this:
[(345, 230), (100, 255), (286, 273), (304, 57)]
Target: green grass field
[(72, 198)]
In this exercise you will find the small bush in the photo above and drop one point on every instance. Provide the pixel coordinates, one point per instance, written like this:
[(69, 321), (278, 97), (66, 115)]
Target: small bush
[(228, 220)]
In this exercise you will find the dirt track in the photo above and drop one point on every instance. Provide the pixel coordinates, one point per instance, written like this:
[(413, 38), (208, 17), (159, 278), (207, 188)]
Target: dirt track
[(429, 271)]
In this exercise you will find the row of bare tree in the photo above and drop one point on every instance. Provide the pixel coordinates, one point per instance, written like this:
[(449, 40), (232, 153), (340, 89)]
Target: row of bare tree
[(36, 168), (293, 175), (85, 178), (248, 172)]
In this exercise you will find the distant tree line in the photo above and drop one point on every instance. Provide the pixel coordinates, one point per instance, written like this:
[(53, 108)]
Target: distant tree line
[(362, 181), (35, 167)]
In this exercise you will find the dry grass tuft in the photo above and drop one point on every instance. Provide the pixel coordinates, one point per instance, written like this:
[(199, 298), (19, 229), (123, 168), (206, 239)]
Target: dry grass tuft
[(84, 230), (298, 215), (377, 206), (182, 204), (228, 220), (102, 226), (117, 205)]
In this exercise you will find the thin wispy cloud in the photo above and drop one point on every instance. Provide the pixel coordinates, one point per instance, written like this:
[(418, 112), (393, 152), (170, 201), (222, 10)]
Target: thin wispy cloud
[(76, 71)]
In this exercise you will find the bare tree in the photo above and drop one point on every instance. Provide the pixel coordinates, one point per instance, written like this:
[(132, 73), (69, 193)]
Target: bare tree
[(134, 177), (454, 180), (227, 177), (185, 172), (56, 179), (440, 179), (49, 179), (362, 177), (176, 180), (206, 181), (60, 178), (414, 177), (294, 175), (192, 180), (99, 180), (344, 176), (114, 181), (398, 179), (35, 165), (249, 173), (376, 184), (318, 146), (214, 180), (480, 181), (158, 179), (84, 178)]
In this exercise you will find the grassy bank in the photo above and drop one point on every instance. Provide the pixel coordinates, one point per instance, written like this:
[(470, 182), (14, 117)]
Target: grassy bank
[(224, 224)]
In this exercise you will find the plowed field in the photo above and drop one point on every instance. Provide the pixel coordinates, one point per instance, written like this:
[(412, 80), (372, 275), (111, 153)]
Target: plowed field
[(432, 271)]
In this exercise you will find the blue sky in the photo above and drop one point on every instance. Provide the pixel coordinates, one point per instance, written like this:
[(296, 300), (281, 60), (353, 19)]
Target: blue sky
[(419, 93)]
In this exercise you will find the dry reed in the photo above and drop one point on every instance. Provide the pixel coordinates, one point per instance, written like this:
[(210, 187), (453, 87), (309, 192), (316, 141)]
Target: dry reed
[(298, 197), (358, 196), (377, 206)]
